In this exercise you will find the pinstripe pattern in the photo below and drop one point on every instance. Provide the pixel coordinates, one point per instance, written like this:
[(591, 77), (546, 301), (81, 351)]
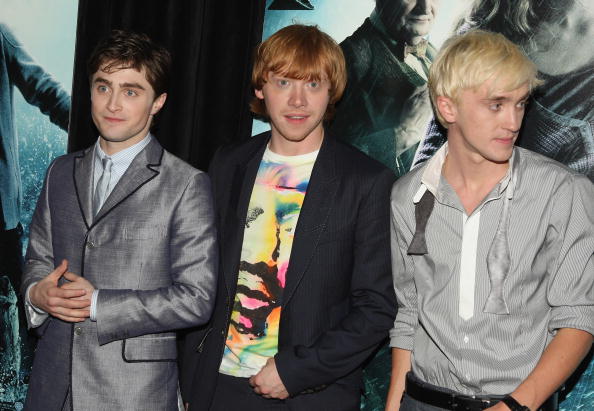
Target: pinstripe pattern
[(550, 284)]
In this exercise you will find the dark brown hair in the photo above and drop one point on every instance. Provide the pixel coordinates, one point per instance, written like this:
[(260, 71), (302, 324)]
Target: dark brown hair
[(126, 49)]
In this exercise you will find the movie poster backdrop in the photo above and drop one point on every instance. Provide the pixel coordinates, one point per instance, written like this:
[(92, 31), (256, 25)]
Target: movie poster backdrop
[(386, 112), (36, 61)]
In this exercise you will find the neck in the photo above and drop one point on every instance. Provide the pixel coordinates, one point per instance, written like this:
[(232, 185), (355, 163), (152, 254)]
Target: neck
[(471, 176), (285, 147), (113, 147)]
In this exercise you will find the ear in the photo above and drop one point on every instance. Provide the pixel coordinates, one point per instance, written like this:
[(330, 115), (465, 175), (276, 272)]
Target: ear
[(447, 108), (158, 103), (259, 94)]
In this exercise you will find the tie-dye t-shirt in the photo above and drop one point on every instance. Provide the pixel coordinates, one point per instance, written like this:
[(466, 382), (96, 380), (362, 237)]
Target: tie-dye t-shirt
[(270, 225)]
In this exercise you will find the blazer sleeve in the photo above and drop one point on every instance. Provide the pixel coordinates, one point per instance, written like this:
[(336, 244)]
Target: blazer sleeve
[(39, 259), (372, 308), (189, 300)]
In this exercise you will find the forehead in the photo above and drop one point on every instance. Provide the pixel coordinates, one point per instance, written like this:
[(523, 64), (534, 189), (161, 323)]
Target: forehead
[(298, 75), (121, 73)]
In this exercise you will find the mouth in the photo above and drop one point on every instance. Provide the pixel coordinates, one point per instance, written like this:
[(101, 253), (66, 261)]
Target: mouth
[(113, 119), (296, 118), (506, 141), (419, 19)]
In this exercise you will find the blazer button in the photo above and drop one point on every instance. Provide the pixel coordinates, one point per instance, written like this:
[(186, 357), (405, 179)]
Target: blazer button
[(90, 244), (78, 330)]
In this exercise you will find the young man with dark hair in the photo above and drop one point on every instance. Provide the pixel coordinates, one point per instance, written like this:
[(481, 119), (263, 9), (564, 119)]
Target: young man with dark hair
[(126, 232), (491, 248), (304, 294)]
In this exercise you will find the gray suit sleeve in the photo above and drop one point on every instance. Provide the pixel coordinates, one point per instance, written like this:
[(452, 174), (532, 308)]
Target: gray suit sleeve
[(189, 300), (39, 260)]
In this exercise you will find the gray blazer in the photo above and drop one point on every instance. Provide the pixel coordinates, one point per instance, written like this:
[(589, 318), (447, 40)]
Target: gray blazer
[(151, 251)]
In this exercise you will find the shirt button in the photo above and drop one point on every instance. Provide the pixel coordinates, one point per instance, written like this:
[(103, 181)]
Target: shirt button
[(90, 244), (467, 377), (466, 339), (78, 330)]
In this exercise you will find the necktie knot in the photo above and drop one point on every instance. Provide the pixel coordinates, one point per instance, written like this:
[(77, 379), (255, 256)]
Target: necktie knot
[(419, 49)]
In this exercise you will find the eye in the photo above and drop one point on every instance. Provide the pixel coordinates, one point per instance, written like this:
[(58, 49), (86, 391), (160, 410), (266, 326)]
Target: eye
[(314, 84), (130, 93), (282, 82), (522, 104), (495, 106), (102, 89)]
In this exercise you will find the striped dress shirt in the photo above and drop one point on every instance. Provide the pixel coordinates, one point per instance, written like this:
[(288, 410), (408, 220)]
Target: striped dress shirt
[(441, 295)]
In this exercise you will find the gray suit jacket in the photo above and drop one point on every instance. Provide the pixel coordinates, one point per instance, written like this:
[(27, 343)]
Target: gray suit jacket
[(151, 251)]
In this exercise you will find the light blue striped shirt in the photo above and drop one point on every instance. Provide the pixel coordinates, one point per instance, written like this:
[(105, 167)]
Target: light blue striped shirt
[(121, 161)]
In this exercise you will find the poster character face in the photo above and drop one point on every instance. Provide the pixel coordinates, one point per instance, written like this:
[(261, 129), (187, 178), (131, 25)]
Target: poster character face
[(296, 110), (123, 104), (408, 19), (564, 43), (484, 123)]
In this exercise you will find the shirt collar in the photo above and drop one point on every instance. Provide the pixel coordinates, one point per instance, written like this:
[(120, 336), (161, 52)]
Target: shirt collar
[(125, 156), (432, 175)]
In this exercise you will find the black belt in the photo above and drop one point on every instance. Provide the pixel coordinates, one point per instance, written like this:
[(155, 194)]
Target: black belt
[(456, 402)]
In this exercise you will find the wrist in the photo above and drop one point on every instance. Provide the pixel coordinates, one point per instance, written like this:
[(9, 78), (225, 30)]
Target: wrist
[(513, 404)]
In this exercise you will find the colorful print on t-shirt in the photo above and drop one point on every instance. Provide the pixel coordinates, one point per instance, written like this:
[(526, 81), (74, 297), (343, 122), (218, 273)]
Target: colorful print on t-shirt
[(274, 208)]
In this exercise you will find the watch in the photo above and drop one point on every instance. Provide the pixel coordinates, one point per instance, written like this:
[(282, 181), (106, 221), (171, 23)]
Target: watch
[(513, 404)]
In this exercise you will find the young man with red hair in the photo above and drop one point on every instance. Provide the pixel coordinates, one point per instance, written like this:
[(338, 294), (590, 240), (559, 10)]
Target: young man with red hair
[(305, 293)]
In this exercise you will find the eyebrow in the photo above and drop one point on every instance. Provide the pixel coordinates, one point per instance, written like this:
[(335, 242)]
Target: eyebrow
[(504, 98), (123, 85)]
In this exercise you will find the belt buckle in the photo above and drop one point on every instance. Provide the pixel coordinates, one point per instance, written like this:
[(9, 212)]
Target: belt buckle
[(487, 403)]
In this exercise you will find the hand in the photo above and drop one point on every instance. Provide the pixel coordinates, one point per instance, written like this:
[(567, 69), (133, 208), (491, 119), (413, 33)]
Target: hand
[(414, 118), (186, 406), (268, 383), (76, 282), (498, 407), (72, 305)]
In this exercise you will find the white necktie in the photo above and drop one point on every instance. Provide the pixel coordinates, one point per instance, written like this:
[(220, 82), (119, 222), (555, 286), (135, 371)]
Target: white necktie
[(101, 190)]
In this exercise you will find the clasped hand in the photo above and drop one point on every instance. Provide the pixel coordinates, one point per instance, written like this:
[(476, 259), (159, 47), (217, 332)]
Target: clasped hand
[(69, 302), (268, 383)]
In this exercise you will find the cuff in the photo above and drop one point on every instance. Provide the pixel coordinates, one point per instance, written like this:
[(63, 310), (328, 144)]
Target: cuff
[(93, 316), (35, 316)]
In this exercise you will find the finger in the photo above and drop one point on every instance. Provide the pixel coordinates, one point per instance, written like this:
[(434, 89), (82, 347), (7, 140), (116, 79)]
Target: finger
[(58, 303), (71, 276), (59, 271), (61, 292), (72, 313), (69, 319)]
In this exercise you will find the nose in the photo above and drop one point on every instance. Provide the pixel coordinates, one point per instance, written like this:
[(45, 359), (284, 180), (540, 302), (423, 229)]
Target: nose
[(113, 104), (297, 97), (422, 7), (514, 119)]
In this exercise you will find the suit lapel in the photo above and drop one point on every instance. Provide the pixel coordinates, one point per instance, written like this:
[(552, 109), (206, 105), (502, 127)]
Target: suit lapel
[(244, 177), (143, 168), (83, 183), (316, 208)]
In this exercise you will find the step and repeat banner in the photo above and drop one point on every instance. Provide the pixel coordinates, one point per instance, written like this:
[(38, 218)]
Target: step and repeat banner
[(36, 61), (386, 112)]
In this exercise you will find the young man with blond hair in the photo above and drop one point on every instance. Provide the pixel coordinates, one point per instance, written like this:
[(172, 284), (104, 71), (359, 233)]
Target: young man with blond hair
[(491, 248), (305, 293)]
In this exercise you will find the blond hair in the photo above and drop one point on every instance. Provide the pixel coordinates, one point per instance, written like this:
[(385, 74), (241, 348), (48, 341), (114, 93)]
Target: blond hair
[(468, 60), (304, 53)]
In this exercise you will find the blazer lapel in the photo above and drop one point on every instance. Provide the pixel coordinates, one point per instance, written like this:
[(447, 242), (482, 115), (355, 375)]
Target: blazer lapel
[(83, 183), (142, 169), (316, 208), (244, 178)]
